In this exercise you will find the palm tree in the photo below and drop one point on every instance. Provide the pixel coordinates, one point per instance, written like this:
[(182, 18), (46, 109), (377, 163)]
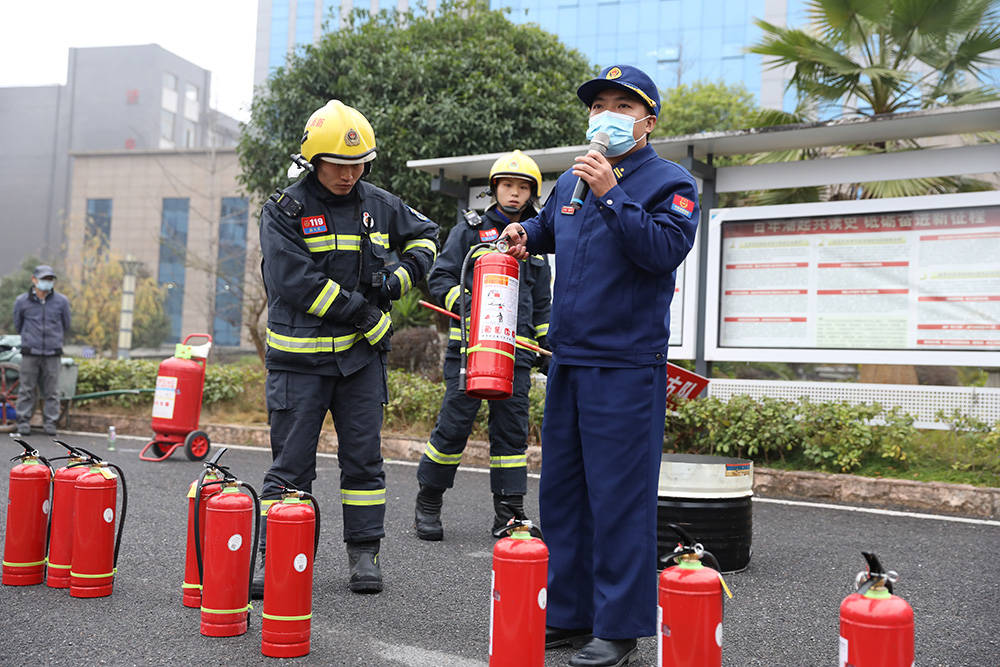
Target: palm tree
[(870, 57)]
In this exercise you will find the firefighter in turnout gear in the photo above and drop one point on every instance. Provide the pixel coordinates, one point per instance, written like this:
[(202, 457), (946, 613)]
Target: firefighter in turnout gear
[(336, 252), (515, 183)]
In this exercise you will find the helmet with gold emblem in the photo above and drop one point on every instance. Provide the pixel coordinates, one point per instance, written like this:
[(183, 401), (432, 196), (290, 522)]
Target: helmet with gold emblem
[(340, 134), (517, 165)]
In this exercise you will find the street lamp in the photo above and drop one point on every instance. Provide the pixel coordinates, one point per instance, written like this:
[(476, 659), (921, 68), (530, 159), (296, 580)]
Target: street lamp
[(130, 267)]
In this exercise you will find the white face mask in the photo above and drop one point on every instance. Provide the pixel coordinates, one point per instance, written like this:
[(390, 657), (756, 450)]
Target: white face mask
[(46, 285)]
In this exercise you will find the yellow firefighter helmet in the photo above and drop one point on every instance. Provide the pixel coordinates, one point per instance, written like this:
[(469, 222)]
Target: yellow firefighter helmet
[(340, 134), (516, 165)]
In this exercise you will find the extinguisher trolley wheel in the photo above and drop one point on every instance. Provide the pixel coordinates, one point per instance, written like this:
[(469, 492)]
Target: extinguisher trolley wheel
[(197, 445)]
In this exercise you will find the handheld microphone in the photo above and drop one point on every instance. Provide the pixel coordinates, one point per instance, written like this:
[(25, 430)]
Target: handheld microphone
[(598, 144)]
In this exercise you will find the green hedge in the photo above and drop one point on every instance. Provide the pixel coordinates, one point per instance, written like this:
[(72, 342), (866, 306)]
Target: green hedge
[(222, 382), (825, 436)]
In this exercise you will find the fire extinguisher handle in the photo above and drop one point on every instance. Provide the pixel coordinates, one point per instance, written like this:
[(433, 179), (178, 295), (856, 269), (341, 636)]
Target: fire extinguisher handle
[(218, 455), (256, 536), (28, 449)]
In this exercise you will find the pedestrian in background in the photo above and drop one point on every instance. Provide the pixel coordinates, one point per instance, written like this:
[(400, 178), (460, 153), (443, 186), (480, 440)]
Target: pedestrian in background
[(42, 318), (602, 435), (515, 184)]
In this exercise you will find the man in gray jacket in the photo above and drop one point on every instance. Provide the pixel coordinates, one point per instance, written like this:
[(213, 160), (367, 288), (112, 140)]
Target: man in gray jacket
[(41, 317)]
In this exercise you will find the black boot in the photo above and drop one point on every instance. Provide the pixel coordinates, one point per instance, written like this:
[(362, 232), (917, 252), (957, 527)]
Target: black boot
[(366, 577), (506, 508), (257, 586), (427, 519)]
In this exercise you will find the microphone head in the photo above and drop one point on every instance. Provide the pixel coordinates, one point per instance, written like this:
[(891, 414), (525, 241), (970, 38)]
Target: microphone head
[(600, 142)]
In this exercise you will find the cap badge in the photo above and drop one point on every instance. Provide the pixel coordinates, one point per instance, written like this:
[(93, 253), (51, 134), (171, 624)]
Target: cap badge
[(351, 138), (613, 73)]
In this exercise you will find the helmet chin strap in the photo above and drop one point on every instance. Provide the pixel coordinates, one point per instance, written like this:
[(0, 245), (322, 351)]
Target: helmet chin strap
[(511, 210)]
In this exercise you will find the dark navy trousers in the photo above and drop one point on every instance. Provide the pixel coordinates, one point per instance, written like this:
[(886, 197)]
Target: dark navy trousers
[(298, 404), (508, 431), (602, 438)]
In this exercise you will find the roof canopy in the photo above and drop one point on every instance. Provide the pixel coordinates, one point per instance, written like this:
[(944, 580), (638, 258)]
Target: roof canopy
[(888, 127)]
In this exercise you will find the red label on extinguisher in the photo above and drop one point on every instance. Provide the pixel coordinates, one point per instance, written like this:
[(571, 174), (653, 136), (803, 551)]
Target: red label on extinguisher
[(498, 314)]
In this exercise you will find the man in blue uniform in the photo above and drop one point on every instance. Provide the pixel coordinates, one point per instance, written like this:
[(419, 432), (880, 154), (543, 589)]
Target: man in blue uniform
[(515, 182), (326, 243), (602, 436)]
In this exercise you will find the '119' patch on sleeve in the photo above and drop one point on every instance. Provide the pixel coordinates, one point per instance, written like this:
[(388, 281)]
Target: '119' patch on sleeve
[(314, 224), (682, 205)]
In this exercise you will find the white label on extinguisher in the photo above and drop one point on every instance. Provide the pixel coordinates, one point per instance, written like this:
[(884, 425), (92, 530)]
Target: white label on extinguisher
[(45, 506), (843, 651), (659, 636), (235, 542), (493, 601), (498, 308), (109, 515), (164, 397), (300, 562), (543, 597), (718, 634)]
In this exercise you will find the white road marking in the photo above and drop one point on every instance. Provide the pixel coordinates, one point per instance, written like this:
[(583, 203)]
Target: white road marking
[(775, 501)]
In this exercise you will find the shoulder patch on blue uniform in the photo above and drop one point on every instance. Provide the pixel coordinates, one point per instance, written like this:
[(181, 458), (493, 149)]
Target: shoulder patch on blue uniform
[(486, 235), (418, 214), (682, 205)]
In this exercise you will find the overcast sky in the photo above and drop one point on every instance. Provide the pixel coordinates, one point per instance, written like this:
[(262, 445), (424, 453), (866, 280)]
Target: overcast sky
[(218, 35)]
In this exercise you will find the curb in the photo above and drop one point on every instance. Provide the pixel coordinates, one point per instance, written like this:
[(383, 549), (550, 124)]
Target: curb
[(934, 497)]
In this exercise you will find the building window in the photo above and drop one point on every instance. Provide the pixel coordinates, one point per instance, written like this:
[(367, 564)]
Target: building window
[(190, 134), (169, 94), (173, 255), (97, 229), (191, 108), (278, 39), (230, 268), (304, 22), (166, 129)]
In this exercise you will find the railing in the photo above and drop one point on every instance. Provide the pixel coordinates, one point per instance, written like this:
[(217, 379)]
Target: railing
[(921, 401)]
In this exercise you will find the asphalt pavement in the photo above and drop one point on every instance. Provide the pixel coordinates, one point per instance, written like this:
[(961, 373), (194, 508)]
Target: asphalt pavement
[(434, 611)]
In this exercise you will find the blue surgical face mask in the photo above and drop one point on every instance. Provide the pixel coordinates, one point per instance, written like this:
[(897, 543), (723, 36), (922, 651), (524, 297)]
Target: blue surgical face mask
[(618, 127), (46, 285)]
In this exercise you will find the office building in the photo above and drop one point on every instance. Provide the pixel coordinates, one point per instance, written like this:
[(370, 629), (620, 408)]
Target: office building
[(115, 98)]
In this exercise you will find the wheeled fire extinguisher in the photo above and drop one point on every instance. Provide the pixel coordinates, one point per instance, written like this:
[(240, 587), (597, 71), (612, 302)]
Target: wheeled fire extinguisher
[(487, 370), (876, 627), (689, 607), (95, 542), (28, 503), (61, 527), (293, 526), (191, 587), (519, 595), (227, 557)]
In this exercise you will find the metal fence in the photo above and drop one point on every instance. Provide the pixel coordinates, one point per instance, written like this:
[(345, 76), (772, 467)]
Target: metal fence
[(923, 402)]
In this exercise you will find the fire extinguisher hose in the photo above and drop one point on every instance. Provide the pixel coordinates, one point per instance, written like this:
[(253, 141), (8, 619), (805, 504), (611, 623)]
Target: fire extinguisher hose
[(288, 487), (32, 453), (461, 314), (256, 536), (92, 460)]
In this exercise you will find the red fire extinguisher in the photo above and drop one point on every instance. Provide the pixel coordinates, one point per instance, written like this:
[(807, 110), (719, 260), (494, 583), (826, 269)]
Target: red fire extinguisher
[(876, 627), (230, 519), (293, 539), (27, 518), (488, 371), (95, 543), (519, 595), (63, 511), (191, 588), (689, 609)]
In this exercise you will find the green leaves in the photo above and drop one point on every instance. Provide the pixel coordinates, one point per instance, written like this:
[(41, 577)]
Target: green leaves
[(465, 81)]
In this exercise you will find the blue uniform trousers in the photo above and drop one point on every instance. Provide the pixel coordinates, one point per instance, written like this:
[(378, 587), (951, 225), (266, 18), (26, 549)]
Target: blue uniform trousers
[(602, 438), (508, 431), (298, 403)]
